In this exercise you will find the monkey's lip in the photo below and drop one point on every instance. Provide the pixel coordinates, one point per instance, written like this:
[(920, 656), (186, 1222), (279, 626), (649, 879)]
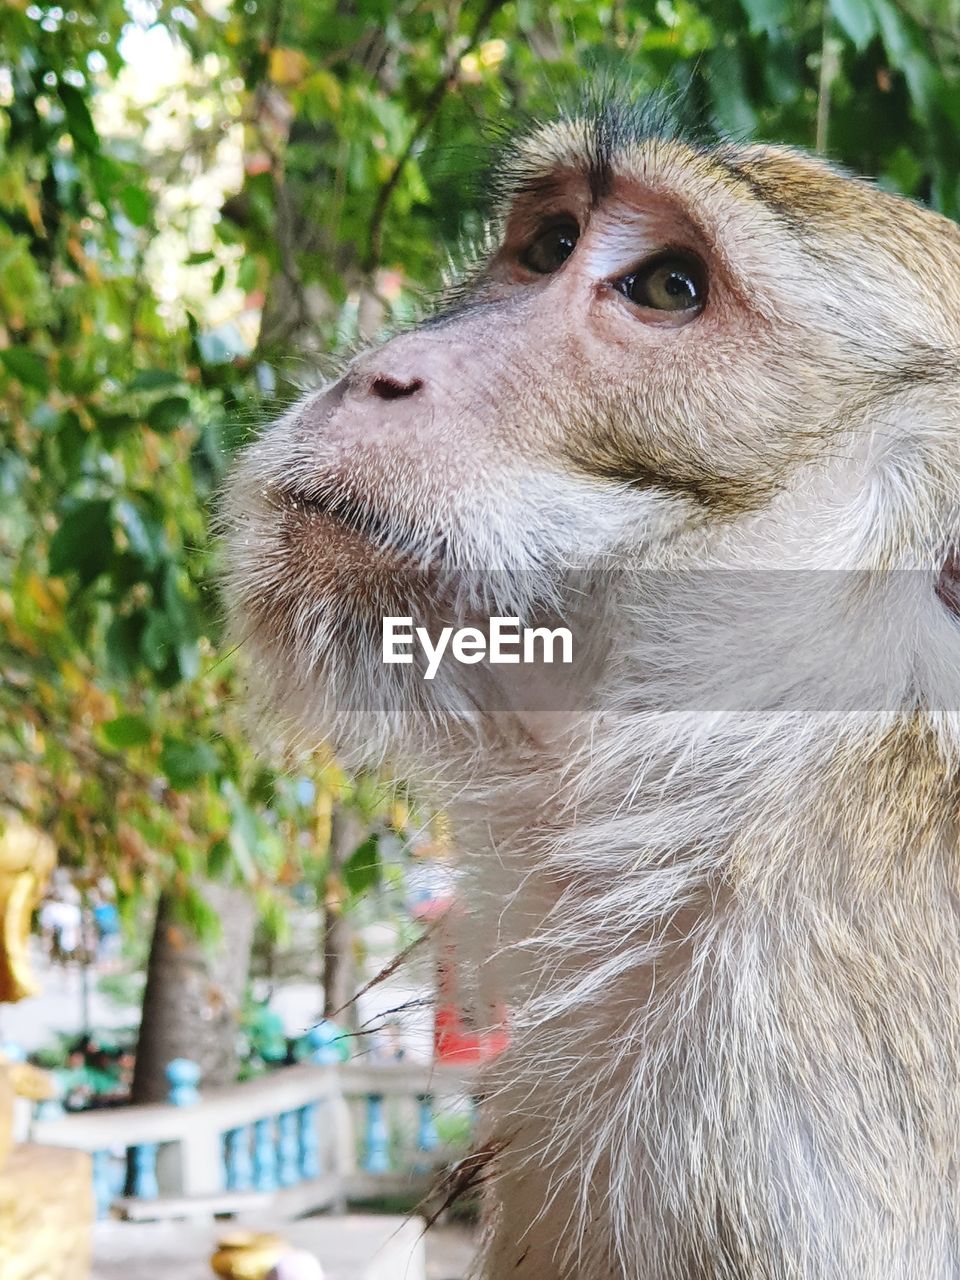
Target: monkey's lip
[(387, 533)]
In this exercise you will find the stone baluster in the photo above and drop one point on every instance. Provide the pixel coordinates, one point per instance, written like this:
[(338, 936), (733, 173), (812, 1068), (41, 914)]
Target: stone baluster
[(288, 1149), (376, 1148), (238, 1164), (103, 1182), (144, 1183), (427, 1139), (309, 1141), (118, 1172), (183, 1077), (265, 1154)]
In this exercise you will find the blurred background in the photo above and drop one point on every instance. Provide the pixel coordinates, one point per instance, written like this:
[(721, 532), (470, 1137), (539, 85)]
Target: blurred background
[(203, 205)]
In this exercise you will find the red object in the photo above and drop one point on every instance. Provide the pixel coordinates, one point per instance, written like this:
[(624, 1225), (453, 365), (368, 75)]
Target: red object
[(454, 1039)]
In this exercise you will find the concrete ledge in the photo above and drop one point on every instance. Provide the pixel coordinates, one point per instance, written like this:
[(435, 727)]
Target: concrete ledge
[(46, 1214), (355, 1247)]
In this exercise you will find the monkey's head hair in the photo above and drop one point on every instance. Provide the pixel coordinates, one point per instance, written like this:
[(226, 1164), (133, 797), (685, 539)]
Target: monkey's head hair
[(676, 357)]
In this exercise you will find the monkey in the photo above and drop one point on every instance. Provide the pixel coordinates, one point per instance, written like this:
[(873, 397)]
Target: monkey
[(700, 401)]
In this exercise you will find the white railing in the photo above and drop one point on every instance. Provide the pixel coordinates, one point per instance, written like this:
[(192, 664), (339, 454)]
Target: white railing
[(299, 1139)]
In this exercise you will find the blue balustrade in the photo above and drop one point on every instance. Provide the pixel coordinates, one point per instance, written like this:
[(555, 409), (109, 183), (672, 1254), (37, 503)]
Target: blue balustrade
[(144, 1180), (237, 1160), (183, 1077), (309, 1141), (117, 1176), (265, 1170), (103, 1182), (288, 1149), (376, 1154), (427, 1139)]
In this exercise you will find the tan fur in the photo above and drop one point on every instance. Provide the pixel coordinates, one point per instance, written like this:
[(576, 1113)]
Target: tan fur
[(718, 881)]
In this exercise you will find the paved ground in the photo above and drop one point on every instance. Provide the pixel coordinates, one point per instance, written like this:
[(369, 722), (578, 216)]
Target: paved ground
[(450, 1251), (353, 1248)]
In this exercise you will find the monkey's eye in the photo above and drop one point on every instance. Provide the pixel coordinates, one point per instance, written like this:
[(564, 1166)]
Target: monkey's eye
[(671, 282), (551, 248)]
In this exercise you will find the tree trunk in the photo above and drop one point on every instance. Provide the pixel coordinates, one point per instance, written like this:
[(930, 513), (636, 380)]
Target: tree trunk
[(338, 967), (194, 995)]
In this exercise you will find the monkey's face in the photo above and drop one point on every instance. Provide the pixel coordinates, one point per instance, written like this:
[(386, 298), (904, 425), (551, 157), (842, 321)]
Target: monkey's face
[(667, 350)]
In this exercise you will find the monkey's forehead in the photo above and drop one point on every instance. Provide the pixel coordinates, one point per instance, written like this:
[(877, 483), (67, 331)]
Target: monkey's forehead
[(802, 193)]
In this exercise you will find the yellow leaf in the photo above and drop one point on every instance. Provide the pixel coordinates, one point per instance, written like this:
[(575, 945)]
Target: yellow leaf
[(46, 693), (326, 84), (16, 635), (85, 263), (32, 206), (287, 66), (41, 595), (73, 678)]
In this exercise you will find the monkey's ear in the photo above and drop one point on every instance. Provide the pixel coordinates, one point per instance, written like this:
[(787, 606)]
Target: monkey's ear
[(948, 583)]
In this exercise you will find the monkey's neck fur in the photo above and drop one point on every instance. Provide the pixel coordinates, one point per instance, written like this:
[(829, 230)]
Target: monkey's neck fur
[(750, 908), (745, 922)]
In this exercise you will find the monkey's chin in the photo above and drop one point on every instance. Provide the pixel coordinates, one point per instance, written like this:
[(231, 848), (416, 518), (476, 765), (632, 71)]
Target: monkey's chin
[(309, 588), (357, 534), (319, 675)]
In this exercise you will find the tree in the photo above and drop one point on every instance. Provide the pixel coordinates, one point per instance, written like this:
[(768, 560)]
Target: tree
[(194, 994)]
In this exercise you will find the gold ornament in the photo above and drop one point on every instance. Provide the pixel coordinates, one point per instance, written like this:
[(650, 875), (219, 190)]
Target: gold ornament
[(27, 858), (247, 1255)]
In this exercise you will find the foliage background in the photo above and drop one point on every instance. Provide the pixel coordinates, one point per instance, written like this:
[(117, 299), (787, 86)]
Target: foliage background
[(202, 202)]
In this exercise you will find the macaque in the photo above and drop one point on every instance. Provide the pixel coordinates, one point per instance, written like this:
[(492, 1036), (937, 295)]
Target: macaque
[(701, 405)]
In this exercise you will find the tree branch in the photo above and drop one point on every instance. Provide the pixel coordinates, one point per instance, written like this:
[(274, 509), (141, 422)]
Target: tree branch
[(431, 106)]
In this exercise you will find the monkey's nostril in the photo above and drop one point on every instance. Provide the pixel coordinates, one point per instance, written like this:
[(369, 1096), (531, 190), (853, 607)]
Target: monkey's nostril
[(387, 388)]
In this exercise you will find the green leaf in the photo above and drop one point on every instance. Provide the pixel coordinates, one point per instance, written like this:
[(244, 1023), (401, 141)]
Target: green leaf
[(27, 368), (766, 15), (123, 643), (856, 19), (186, 763), (136, 205), (154, 380), (167, 415), (79, 120), (193, 908), (158, 642), (180, 608), (144, 534), (734, 112), (363, 869), (84, 542), (248, 273), (112, 427), (245, 840), (219, 858), (127, 731)]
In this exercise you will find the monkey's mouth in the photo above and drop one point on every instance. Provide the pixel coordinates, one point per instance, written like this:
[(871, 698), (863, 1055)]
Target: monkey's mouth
[(408, 545)]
